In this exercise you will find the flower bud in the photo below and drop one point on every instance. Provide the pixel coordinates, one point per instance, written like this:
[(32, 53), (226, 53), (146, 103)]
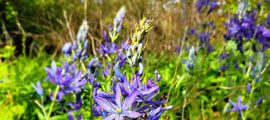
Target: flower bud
[(134, 59), (141, 69), (79, 55), (67, 48), (85, 45), (75, 46)]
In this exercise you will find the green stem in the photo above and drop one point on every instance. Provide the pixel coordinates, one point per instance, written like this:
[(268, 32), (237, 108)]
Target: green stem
[(54, 97), (42, 107), (242, 115), (184, 101), (91, 94)]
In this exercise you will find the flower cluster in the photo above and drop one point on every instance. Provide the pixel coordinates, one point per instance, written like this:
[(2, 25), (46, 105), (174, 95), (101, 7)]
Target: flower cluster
[(203, 32), (124, 95), (130, 95), (110, 47), (239, 106), (247, 28), (79, 48), (209, 5)]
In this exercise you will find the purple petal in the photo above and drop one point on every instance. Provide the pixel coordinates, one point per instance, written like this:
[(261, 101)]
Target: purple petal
[(53, 65), (259, 101), (106, 105), (82, 82), (105, 95), (154, 112), (234, 109), (80, 116), (118, 96), (148, 91), (70, 116), (232, 103), (129, 100), (239, 101), (111, 117), (157, 102), (132, 114)]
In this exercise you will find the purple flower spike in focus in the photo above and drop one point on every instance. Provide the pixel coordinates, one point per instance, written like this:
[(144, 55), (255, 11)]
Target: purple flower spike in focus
[(118, 109), (238, 106), (38, 88)]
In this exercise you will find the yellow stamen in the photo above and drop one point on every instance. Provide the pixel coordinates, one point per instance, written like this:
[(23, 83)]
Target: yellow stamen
[(118, 110), (131, 82)]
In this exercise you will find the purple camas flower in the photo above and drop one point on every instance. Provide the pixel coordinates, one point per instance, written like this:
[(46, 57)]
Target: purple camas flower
[(57, 77), (263, 36), (239, 105), (76, 83), (108, 48), (38, 88), (121, 108)]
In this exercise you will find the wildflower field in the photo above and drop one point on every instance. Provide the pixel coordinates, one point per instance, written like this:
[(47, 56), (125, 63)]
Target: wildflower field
[(135, 60)]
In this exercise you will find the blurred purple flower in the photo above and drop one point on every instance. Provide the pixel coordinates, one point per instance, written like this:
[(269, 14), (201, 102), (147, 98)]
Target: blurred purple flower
[(38, 88), (77, 105), (259, 101), (71, 117), (248, 88), (239, 105)]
